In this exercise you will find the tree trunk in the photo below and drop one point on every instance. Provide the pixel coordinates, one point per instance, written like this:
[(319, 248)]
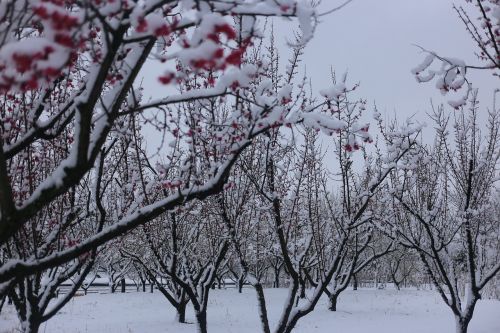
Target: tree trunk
[(219, 283), (201, 320), (276, 283), (461, 324), (240, 284), (2, 302), (277, 271), (143, 286), (302, 289), (261, 300), (123, 284), (151, 286), (333, 302), (181, 312), (31, 325), (355, 282)]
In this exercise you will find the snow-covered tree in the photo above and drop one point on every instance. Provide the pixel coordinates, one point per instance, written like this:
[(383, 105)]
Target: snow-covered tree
[(185, 252), (70, 71), (444, 197), (450, 73), (401, 265)]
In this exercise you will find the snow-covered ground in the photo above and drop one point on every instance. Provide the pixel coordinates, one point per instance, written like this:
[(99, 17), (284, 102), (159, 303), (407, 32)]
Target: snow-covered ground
[(368, 310)]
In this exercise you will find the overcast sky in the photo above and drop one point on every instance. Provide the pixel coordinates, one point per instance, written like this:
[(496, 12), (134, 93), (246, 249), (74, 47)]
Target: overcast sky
[(373, 40)]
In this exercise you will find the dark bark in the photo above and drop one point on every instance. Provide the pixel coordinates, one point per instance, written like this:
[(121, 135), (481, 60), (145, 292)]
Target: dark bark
[(241, 280), (397, 284), (31, 325), (201, 320), (122, 282), (262, 308), (302, 288), (355, 282), (2, 302), (181, 312), (277, 271), (219, 283), (28, 315), (276, 283), (333, 301), (462, 324)]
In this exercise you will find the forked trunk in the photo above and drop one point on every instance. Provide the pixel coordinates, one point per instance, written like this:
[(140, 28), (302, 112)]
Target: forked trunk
[(219, 283), (31, 325)]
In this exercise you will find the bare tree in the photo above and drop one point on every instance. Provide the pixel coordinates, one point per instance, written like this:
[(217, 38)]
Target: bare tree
[(443, 200)]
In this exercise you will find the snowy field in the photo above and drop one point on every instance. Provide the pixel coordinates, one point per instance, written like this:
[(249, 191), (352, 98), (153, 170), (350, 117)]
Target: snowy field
[(387, 311)]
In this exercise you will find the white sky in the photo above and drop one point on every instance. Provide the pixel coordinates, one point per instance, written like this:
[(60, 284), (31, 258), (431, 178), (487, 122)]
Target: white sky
[(373, 40)]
